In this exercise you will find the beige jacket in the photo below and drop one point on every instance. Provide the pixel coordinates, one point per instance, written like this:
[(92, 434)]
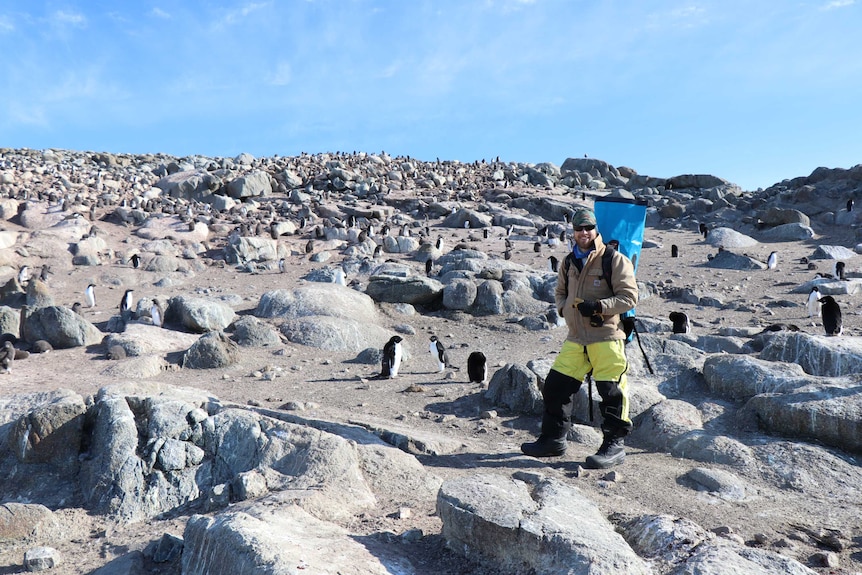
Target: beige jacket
[(589, 284)]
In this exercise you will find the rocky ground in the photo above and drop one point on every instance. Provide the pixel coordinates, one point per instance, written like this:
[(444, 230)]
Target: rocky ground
[(328, 385)]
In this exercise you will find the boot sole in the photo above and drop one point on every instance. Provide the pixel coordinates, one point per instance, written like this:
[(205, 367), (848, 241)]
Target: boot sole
[(546, 453), (604, 463)]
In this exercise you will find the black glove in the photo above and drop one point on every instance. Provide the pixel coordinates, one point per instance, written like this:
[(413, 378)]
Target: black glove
[(589, 308)]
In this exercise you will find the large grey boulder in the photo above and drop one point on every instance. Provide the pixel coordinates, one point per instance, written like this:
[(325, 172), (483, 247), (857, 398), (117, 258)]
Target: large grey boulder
[(59, 326), (254, 184), (199, 314), (728, 260), (515, 387), (729, 239), (190, 185), (18, 521), (140, 339), (828, 412), (413, 290), (459, 294), (52, 432), (277, 539), (537, 528), (489, 298), (816, 354), (788, 233), (334, 333), (211, 350), (10, 320), (467, 218), (319, 300), (248, 331), (250, 249), (741, 377)]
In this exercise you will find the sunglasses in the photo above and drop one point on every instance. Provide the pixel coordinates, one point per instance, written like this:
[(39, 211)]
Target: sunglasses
[(584, 228)]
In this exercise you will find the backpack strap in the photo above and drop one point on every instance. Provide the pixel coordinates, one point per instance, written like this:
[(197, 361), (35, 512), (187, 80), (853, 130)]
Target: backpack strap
[(607, 266)]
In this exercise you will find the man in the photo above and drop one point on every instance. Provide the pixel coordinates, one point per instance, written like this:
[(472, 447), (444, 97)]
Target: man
[(594, 345)]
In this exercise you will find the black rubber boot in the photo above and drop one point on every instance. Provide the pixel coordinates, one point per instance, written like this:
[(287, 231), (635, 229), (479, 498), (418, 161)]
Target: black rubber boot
[(612, 452), (557, 395)]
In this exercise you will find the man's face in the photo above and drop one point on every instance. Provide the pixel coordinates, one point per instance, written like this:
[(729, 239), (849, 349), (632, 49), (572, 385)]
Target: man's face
[(585, 236)]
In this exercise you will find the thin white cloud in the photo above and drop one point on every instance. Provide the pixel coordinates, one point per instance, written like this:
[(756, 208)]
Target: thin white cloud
[(233, 16), (29, 114), (69, 18), (281, 76), (838, 4), (6, 25), (159, 13)]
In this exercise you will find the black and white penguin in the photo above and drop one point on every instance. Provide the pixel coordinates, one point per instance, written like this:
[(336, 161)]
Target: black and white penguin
[(674, 251), (813, 303), (90, 295), (772, 261), (429, 264), (439, 352), (704, 231), (850, 205), (439, 243), (340, 278), (477, 368), (281, 265), (553, 263), (156, 314), (485, 233), (830, 313), (537, 247), (135, 261), (839, 271), (309, 246), (127, 302), (377, 251), (76, 307), (681, 323), (7, 356), (23, 275), (391, 361)]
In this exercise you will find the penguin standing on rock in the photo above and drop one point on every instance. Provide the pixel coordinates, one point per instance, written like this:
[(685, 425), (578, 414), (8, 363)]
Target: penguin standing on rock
[(477, 368), (830, 313), (127, 302), (814, 302), (391, 361), (553, 263), (681, 323)]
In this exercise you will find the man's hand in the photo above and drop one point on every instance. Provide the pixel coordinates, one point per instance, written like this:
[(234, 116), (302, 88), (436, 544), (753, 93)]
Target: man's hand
[(588, 308)]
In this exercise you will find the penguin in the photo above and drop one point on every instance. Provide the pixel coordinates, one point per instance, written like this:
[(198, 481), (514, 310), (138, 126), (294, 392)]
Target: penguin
[(477, 368), (507, 254), (438, 351), (45, 273), (772, 261), (7, 356), (309, 246), (429, 264), (704, 231), (156, 314), (681, 323), (830, 313), (377, 250), (814, 302), (439, 243), (839, 271), (391, 357), (485, 233), (339, 278), (24, 275), (554, 263), (466, 224), (127, 302), (76, 307), (850, 205), (674, 251), (136, 261), (281, 265), (90, 295)]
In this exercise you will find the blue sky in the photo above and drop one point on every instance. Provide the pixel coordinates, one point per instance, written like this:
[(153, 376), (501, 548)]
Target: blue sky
[(754, 91)]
